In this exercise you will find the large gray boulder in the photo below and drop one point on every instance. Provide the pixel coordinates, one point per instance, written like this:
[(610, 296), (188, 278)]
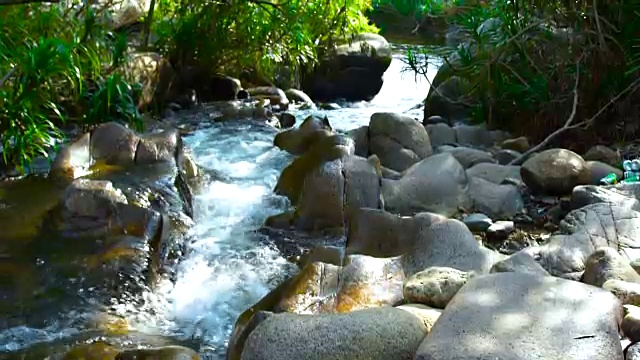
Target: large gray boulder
[(469, 157), (519, 316), (436, 184), (376, 334), (352, 71), (441, 134), (494, 173), (497, 201), (555, 172), (399, 141)]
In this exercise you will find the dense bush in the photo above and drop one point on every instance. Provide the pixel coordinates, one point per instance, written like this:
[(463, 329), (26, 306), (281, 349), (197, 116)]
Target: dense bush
[(518, 61), (56, 62)]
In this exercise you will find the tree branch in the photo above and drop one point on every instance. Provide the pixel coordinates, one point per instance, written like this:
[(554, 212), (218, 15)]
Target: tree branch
[(567, 125)]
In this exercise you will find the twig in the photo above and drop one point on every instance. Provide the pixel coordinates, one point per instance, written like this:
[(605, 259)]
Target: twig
[(595, 12), (567, 124)]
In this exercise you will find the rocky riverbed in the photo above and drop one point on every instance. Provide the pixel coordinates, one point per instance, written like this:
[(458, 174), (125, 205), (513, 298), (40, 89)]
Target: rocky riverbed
[(360, 233)]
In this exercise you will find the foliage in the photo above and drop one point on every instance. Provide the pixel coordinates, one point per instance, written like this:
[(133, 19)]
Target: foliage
[(229, 36), (520, 59), (53, 66)]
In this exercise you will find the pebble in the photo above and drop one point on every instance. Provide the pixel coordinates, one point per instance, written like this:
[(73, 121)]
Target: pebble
[(477, 222)]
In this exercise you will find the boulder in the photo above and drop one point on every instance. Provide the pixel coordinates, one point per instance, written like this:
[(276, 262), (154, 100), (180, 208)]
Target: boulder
[(434, 286), (519, 262), (519, 144), (297, 141), (361, 137), (383, 333), (298, 96), (474, 136), (154, 73), (275, 95), (582, 232), (607, 264), (436, 184), (428, 315), (114, 144), (434, 119), (445, 99), (497, 201), (620, 194), (352, 71), (633, 352), (477, 222), (494, 173), (505, 157), (74, 159), (627, 292), (222, 88), (599, 170), (604, 154), (399, 141), (378, 233), (97, 350), (158, 147), (441, 134), (447, 243), (555, 172), (287, 120), (469, 157), (525, 316)]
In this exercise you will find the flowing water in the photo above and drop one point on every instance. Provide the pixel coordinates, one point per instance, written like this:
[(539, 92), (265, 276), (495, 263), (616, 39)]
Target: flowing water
[(229, 265)]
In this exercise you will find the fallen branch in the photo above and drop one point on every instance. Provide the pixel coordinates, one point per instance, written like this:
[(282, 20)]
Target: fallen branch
[(568, 126)]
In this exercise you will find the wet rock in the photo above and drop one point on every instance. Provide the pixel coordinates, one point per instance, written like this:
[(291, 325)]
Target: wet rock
[(630, 325), (74, 159), (469, 157), (428, 315), (324, 150), (92, 198), (378, 233), (500, 230), (361, 138), (158, 147), (154, 73), (607, 264), (434, 286), (448, 244), (114, 144), (627, 292), (275, 95), (539, 317), (497, 201), (399, 141), (223, 88), (330, 106), (494, 173), (477, 222), (333, 255), (287, 120), (384, 333), (599, 170), (555, 172), (352, 71), (163, 353), (519, 262), (604, 154), (504, 157), (298, 96), (93, 351), (330, 192), (298, 140), (583, 231), (441, 134), (520, 144), (436, 184), (188, 166)]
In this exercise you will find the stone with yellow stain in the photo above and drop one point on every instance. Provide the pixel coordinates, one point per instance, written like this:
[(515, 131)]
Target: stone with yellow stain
[(94, 351)]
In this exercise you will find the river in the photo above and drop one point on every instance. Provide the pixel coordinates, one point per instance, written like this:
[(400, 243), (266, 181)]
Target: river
[(229, 265)]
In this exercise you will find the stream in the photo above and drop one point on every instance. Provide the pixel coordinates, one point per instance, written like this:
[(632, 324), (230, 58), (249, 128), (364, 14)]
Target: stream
[(229, 265)]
